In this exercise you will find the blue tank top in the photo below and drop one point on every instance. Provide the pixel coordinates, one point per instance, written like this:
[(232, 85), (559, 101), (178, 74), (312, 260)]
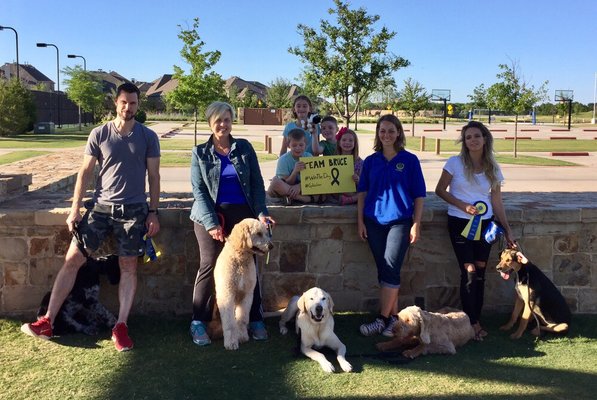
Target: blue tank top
[(229, 191)]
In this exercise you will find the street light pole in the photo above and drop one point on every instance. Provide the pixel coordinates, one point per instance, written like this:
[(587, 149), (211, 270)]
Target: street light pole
[(17, 39), (57, 74), (85, 69), (77, 56), (594, 95)]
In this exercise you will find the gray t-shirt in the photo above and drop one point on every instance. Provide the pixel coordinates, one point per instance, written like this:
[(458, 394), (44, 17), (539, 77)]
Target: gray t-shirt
[(122, 162)]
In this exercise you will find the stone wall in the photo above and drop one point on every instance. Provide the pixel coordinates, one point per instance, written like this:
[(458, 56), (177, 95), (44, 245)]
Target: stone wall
[(313, 246)]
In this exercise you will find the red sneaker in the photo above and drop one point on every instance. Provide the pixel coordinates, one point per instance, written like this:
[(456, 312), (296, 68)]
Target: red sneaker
[(120, 337), (42, 328)]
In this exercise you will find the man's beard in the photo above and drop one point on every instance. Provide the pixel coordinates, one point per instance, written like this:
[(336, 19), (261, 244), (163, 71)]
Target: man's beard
[(126, 116)]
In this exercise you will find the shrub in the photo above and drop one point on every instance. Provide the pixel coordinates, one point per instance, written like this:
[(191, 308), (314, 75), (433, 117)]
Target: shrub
[(141, 116), (17, 110)]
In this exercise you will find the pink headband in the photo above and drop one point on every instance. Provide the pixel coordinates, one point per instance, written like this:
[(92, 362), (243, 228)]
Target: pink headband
[(341, 132)]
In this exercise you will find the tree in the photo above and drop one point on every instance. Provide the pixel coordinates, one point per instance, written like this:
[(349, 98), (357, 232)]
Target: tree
[(200, 87), (385, 95), (84, 89), (412, 99), (514, 94), (346, 60), (17, 110), (479, 99), (278, 94)]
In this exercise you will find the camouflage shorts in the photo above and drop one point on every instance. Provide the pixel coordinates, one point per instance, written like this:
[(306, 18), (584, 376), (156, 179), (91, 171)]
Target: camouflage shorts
[(125, 222)]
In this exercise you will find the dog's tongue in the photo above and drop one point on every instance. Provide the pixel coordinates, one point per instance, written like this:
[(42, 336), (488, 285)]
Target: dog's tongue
[(504, 275)]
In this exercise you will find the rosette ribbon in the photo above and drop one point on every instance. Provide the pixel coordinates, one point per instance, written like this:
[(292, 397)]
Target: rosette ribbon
[(472, 230)]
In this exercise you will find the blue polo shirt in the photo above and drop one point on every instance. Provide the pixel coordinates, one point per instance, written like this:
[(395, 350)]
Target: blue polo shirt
[(391, 186)]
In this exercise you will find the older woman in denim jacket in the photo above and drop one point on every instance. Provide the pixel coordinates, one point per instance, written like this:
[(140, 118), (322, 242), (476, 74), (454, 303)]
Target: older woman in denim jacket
[(227, 187)]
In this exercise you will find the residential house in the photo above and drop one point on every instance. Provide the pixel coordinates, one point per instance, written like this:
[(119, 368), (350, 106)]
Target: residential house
[(31, 77)]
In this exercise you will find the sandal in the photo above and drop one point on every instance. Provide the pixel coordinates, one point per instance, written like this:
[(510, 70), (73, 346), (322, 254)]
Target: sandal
[(480, 334)]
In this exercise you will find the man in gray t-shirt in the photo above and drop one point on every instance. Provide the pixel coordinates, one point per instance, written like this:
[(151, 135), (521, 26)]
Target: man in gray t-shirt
[(125, 151)]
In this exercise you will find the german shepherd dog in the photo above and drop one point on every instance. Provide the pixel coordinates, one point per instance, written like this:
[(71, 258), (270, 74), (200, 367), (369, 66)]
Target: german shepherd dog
[(537, 297)]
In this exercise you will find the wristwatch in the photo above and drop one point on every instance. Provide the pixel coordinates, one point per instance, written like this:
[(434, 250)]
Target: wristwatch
[(154, 211)]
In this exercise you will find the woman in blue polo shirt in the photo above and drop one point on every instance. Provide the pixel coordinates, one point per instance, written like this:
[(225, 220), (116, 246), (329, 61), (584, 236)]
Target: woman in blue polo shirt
[(390, 205)]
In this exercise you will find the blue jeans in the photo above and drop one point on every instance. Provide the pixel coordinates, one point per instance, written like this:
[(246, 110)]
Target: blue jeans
[(389, 244)]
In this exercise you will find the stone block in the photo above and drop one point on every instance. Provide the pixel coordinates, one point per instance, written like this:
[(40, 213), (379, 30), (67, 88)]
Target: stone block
[(572, 270), (172, 218), (361, 277), (346, 301), (499, 293), (12, 231), (15, 274), (290, 233), (587, 300), (566, 243), (571, 297), (39, 247), (442, 296), (539, 249), (330, 283), (329, 215), (548, 228), (43, 271), (285, 215), (588, 239), (22, 299), (50, 218), (552, 215), (277, 289), (191, 248), (62, 241), (17, 218), (325, 257), (412, 283), (357, 252), (13, 249), (293, 256), (588, 215), (435, 274)]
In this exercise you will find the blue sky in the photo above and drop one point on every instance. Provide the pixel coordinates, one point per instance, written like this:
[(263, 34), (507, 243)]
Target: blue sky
[(454, 45)]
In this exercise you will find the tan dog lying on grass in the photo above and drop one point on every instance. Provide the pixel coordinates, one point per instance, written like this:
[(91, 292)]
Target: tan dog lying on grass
[(235, 276), (315, 327), (536, 297), (429, 332)]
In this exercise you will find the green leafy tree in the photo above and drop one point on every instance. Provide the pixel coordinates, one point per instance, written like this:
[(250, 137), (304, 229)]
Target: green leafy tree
[(413, 98), (513, 94), (278, 94), (385, 95), (345, 60), (17, 110), (479, 99), (233, 98), (84, 89), (201, 86)]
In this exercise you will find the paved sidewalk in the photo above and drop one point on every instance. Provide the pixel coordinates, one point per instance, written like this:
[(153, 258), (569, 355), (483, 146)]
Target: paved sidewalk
[(518, 178)]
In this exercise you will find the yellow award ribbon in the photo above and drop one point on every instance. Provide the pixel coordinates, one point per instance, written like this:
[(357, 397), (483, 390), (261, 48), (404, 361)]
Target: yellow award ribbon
[(472, 230)]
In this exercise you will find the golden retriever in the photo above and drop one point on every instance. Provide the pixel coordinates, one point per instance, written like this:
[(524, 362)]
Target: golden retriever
[(315, 327), (235, 276), (536, 296), (435, 333)]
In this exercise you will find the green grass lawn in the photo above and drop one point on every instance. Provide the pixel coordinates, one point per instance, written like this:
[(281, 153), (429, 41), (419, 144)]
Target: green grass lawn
[(63, 138), (20, 155), (165, 364)]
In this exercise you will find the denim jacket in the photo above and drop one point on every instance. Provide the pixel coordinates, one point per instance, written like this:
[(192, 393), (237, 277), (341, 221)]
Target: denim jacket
[(205, 179)]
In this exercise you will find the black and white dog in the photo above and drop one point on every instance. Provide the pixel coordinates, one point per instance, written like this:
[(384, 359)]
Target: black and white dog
[(82, 311)]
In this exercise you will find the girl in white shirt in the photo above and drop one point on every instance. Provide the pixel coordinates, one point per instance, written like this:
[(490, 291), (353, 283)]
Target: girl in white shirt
[(474, 179)]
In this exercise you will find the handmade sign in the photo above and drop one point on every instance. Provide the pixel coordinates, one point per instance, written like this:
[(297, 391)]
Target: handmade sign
[(472, 230), (328, 174)]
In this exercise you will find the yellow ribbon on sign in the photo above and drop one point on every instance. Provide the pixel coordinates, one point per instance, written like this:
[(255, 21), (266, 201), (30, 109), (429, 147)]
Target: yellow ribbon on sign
[(472, 230)]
